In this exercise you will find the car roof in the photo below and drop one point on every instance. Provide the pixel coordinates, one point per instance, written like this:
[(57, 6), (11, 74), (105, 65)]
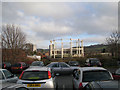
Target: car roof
[(38, 68), (91, 68)]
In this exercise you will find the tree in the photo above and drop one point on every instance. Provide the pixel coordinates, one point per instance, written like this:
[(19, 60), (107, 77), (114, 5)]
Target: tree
[(13, 42), (114, 44)]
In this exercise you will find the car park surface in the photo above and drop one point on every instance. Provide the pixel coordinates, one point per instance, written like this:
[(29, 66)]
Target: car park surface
[(37, 77), (7, 76), (87, 74)]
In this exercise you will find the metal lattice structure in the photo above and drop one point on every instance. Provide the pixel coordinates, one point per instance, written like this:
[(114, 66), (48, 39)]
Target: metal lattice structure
[(74, 49)]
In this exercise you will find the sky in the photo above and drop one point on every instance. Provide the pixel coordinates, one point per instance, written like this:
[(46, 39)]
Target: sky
[(91, 22)]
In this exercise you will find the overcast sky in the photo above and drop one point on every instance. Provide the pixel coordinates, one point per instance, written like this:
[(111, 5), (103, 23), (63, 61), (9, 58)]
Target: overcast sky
[(89, 21)]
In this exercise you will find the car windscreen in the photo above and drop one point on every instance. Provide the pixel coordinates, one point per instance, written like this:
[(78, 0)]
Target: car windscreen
[(35, 75), (96, 75), (16, 65), (37, 64)]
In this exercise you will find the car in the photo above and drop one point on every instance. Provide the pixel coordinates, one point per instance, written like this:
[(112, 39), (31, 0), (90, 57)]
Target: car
[(7, 76), (37, 63), (93, 62), (6, 65), (37, 77), (116, 74), (13, 86), (19, 67), (103, 85), (61, 68), (73, 63), (88, 74)]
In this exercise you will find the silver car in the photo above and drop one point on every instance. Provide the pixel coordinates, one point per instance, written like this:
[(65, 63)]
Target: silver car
[(87, 74), (37, 77), (7, 76)]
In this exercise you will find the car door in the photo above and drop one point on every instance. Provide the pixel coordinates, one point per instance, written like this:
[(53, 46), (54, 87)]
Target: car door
[(55, 68), (65, 69), (9, 77), (76, 78)]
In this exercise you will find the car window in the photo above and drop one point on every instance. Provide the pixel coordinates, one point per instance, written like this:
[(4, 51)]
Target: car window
[(118, 71), (17, 65), (23, 64), (1, 76), (63, 65), (37, 64), (55, 65), (34, 75), (97, 75), (7, 73), (87, 87)]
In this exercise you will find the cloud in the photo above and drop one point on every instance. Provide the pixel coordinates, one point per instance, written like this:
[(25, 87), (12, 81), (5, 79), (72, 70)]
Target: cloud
[(46, 21)]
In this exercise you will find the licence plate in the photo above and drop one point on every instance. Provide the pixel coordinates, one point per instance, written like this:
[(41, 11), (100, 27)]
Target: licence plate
[(33, 85)]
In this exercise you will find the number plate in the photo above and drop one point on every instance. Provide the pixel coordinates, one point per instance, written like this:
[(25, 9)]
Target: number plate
[(33, 85)]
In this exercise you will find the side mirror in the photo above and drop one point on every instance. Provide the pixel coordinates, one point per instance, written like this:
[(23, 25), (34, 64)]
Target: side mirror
[(77, 77)]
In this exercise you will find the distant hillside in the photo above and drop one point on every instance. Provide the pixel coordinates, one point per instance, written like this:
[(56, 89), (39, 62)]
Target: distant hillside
[(100, 48)]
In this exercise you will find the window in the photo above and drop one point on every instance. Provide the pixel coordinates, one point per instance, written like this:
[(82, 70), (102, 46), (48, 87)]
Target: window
[(35, 75), (1, 76), (63, 65), (98, 75), (7, 73), (55, 65), (118, 71)]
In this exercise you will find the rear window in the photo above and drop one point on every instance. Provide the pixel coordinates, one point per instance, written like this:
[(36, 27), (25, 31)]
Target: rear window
[(17, 65), (99, 75), (37, 64), (35, 75)]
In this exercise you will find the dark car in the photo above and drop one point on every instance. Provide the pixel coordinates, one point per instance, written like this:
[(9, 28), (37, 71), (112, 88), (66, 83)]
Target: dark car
[(19, 67), (103, 85), (73, 63), (93, 62), (6, 65), (116, 74), (37, 63), (60, 68)]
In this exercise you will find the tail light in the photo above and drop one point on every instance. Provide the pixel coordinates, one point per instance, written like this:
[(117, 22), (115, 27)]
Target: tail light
[(21, 67), (4, 66), (21, 75), (80, 86), (49, 74)]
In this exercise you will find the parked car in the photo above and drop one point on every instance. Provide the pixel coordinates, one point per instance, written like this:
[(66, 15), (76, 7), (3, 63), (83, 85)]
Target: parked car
[(13, 86), (116, 74), (88, 74), (19, 67), (6, 65), (36, 77), (60, 68), (73, 63), (93, 62), (7, 76), (37, 63), (103, 85)]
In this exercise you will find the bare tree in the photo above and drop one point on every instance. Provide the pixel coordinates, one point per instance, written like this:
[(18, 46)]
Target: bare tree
[(13, 42), (114, 43), (12, 37)]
